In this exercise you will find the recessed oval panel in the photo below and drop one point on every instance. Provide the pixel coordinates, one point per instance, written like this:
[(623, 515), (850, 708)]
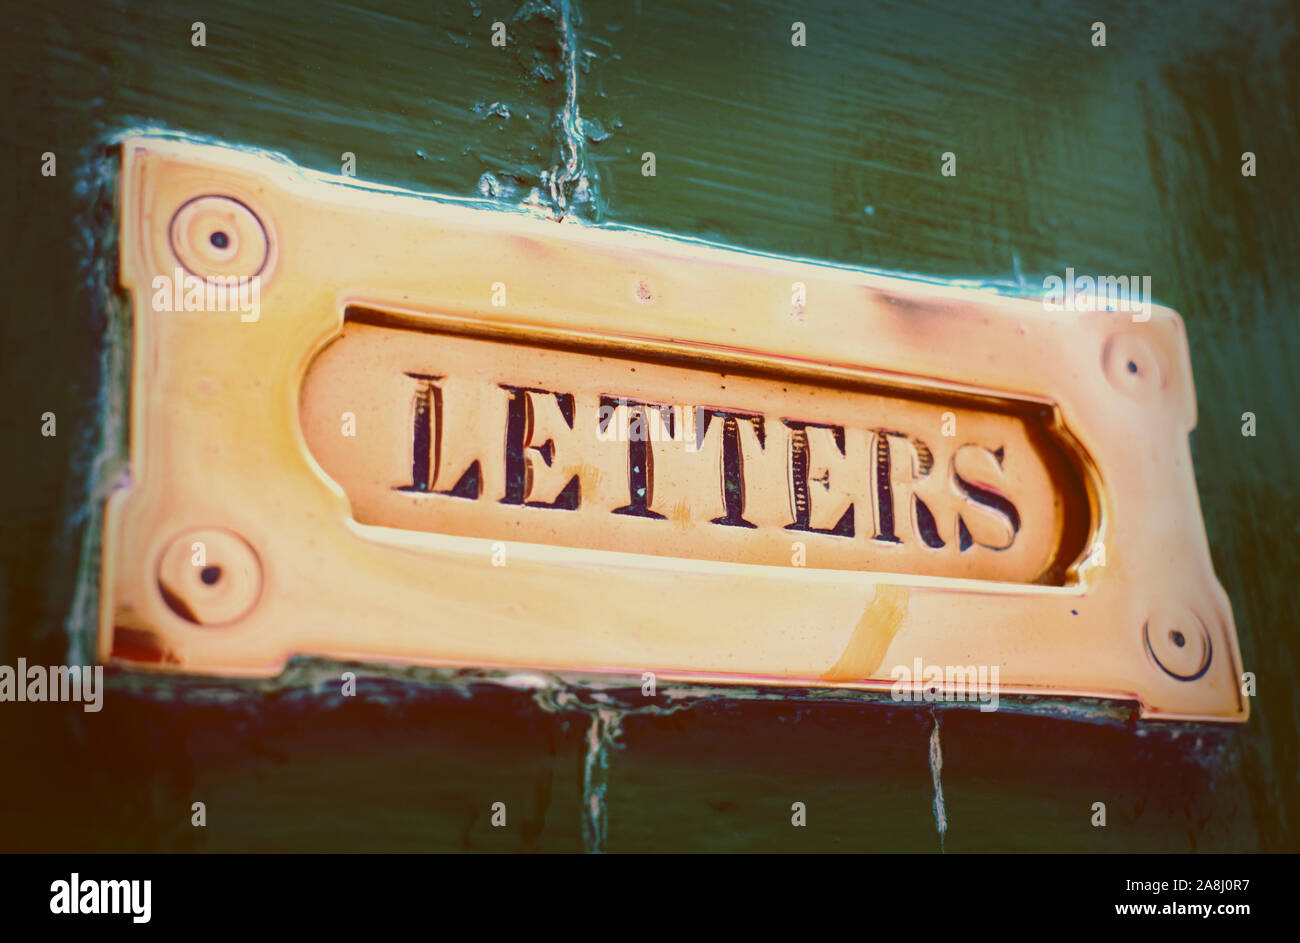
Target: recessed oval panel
[(577, 444)]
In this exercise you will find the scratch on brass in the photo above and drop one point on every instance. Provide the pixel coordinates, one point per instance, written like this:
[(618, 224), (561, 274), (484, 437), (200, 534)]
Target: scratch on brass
[(876, 628)]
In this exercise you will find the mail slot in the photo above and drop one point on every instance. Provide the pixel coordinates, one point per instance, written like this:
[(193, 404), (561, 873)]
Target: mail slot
[(403, 430), (482, 437)]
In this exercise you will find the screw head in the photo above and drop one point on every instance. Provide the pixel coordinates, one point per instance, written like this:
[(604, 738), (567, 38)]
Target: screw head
[(1131, 365), (1179, 643), (218, 235), (210, 577)]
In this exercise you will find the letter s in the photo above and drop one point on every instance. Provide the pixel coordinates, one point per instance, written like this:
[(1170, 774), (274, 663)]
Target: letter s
[(988, 517)]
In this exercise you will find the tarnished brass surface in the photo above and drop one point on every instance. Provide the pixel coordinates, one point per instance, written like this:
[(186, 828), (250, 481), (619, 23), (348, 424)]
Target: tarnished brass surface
[(437, 434)]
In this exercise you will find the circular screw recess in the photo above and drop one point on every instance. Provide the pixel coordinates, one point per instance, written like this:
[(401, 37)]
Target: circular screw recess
[(219, 236), (1179, 643), (1131, 365), (210, 576)]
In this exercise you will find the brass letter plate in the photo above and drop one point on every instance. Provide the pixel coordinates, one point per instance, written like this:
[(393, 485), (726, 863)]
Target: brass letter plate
[(370, 425)]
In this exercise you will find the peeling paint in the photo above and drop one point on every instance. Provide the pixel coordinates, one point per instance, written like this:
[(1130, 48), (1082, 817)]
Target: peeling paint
[(936, 768)]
